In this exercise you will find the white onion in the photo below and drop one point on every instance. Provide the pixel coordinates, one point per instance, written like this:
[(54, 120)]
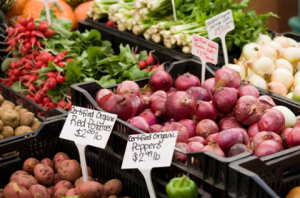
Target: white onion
[(268, 51), (283, 76), (249, 72), (289, 95), (292, 42), (282, 63), (262, 38), (258, 81), (292, 54), (284, 42), (291, 89), (296, 93), (249, 48), (275, 44), (289, 116), (297, 74), (297, 66), (277, 87), (264, 66), (239, 68), (296, 82), (253, 57), (280, 52)]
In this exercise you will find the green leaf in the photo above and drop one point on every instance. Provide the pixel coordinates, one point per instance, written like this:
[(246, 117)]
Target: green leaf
[(53, 66), (95, 54), (18, 87), (143, 56), (72, 72), (6, 63), (106, 81)]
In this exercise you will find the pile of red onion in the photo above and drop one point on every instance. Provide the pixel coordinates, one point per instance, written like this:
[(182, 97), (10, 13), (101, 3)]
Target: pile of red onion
[(221, 116)]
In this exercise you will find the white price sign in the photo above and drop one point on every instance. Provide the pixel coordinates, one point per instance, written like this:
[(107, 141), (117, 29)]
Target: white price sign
[(46, 2)]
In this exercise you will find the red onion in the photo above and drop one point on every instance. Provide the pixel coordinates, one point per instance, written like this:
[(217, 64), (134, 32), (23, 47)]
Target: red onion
[(158, 107), (196, 146), (209, 85), (293, 138), (185, 81), (214, 147), (247, 110), (205, 110), (224, 99), (167, 122), (199, 93), (221, 115), (180, 105), (136, 102), (226, 77), (284, 134), (183, 133), (155, 128), (179, 156), (171, 90), (196, 139), (149, 117), (160, 80), (190, 125), (139, 123), (206, 127), (272, 120), (145, 101), (266, 102), (127, 87), (228, 123), (117, 104), (101, 93), (147, 93), (263, 136), (235, 91), (158, 94), (248, 90), (253, 130), (227, 138), (267, 147), (237, 149), (210, 138)]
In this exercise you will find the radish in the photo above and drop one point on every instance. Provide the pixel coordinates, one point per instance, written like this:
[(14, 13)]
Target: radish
[(153, 68), (43, 26), (32, 40), (38, 34), (27, 34), (38, 43), (31, 88), (46, 57), (31, 19), (51, 75), (61, 64), (28, 65), (21, 29), (16, 72), (31, 26), (142, 64), (111, 24), (24, 71), (38, 97), (68, 106), (150, 60), (46, 100), (52, 105), (70, 59), (60, 79), (28, 46), (62, 103), (24, 21), (49, 33), (38, 64), (51, 83), (147, 70), (13, 65)]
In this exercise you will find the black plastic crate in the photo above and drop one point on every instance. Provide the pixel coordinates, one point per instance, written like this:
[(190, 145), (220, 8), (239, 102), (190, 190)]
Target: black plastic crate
[(291, 35), (271, 176)]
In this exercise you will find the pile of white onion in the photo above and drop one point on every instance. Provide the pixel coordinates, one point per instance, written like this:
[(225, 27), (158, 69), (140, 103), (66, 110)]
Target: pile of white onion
[(272, 65)]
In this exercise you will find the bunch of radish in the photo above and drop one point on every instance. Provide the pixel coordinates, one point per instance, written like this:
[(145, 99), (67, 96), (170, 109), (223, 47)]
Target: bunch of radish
[(220, 116), (149, 64)]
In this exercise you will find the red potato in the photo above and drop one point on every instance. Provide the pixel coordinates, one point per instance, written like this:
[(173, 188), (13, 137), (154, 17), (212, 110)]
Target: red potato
[(90, 189), (80, 181), (63, 184), (56, 178), (44, 174), (48, 162), (26, 181), (113, 187), (60, 193), (69, 170), (13, 190), (71, 192), (58, 159), (29, 165), (17, 174), (39, 191), (51, 191)]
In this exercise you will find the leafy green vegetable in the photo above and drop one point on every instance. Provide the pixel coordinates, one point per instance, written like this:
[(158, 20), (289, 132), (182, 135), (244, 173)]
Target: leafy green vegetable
[(5, 64)]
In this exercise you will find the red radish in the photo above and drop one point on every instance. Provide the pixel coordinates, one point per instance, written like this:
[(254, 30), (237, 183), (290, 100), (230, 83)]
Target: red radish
[(46, 100), (38, 98), (43, 26), (237, 149), (197, 139), (60, 79), (214, 147), (46, 57), (70, 59), (153, 68), (199, 93), (140, 123), (127, 87), (272, 120), (38, 43), (160, 80), (226, 77), (62, 103), (284, 134), (28, 46), (267, 147), (190, 125), (21, 29), (149, 117), (147, 70), (52, 105), (158, 95), (253, 130), (183, 133), (205, 110), (136, 102), (68, 106), (179, 156), (185, 81), (158, 107), (263, 136), (51, 83), (31, 26), (61, 64), (27, 34), (206, 127), (247, 110), (17, 72), (51, 75), (32, 40), (155, 128), (142, 64), (196, 146), (150, 60), (266, 102), (48, 33), (293, 138), (111, 24), (248, 90), (229, 123), (101, 93), (224, 99), (24, 21)]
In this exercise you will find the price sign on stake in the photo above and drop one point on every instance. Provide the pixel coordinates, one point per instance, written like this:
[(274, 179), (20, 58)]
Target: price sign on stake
[(218, 26), (46, 2), (206, 50), (87, 127), (146, 151), (174, 10)]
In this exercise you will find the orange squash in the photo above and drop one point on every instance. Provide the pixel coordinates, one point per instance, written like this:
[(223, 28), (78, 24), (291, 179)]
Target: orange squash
[(17, 10), (294, 193), (81, 10), (61, 9)]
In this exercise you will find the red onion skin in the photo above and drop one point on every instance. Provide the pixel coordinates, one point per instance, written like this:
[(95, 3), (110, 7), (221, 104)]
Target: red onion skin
[(263, 136), (199, 93), (224, 99), (140, 123), (209, 84), (158, 95), (247, 110), (272, 120), (171, 90), (101, 93), (167, 122), (248, 90), (196, 146), (226, 77), (117, 104), (230, 137), (206, 127), (229, 123), (190, 125), (183, 133), (284, 134), (127, 87), (136, 102), (266, 102), (253, 129), (205, 110), (180, 105), (267, 147), (237, 149), (147, 93), (158, 107), (214, 147), (145, 101), (293, 138), (155, 128), (149, 117), (221, 115), (210, 138), (185, 81), (197, 139), (179, 156), (235, 91), (160, 80)]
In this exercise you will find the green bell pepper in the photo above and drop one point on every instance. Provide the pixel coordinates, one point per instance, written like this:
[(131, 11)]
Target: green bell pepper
[(180, 187)]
